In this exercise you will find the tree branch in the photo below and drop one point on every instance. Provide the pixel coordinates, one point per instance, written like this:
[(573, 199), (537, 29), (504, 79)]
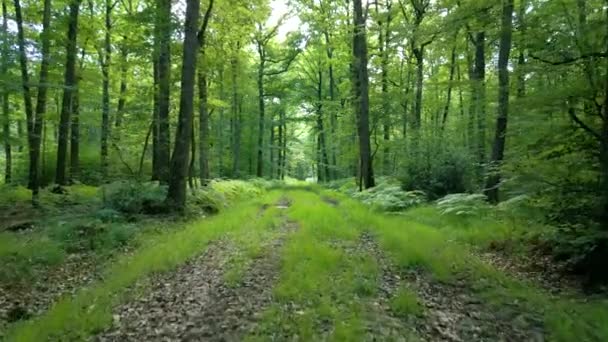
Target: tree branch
[(570, 59), (201, 32), (581, 124)]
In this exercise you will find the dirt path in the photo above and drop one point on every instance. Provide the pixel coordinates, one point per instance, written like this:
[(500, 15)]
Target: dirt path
[(195, 303), (451, 311)]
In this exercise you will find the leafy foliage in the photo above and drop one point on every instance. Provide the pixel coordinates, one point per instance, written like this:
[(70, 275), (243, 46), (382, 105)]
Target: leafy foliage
[(463, 204), (131, 197)]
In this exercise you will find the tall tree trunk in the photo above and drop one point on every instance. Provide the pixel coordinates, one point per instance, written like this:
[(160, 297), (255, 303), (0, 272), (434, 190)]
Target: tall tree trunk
[(220, 127), (281, 151), (284, 145), (41, 101), (322, 159), (29, 110), (105, 97), (262, 109), (419, 55), (384, 39), (155, 110), (6, 123), (479, 100), (446, 109), (75, 135), (203, 106), (361, 92), (124, 68), (236, 148), (176, 196), (604, 146), (521, 60), (271, 145), (498, 148), (75, 128), (164, 33), (333, 119), (406, 85), (203, 129), (69, 85)]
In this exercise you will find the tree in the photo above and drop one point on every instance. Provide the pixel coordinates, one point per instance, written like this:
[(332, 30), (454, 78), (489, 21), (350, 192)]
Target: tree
[(361, 95), (498, 149), (203, 105), (68, 91), (176, 196), (162, 62), (4, 97), (31, 115)]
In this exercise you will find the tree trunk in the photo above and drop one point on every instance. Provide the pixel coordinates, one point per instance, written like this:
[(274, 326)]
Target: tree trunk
[(105, 97), (284, 145), (155, 134), (271, 145), (6, 124), (446, 109), (521, 60), (164, 87), (479, 97), (281, 151), (29, 110), (176, 196), (203, 129), (220, 128), (124, 68), (604, 148), (261, 107), (75, 135), (419, 55), (236, 148), (322, 159), (384, 39), (75, 128), (361, 92), (333, 119), (69, 84), (493, 181)]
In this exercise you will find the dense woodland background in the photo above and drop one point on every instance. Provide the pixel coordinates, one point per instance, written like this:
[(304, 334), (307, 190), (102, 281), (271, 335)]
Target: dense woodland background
[(506, 98)]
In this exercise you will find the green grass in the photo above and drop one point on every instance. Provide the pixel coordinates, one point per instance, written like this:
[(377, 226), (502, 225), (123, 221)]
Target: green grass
[(250, 242), (22, 257), (323, 289), (439, 244), (405, 303), (90, 309)]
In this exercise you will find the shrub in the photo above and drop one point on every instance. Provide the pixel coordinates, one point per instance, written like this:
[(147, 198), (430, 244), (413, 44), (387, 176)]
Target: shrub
[(91, 235), (10, 194), (438, 172), (390, 198), (209, 200), (463, 204), (131, 197)]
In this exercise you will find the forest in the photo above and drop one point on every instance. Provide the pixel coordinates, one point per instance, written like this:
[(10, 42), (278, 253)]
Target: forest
[(304, 170)]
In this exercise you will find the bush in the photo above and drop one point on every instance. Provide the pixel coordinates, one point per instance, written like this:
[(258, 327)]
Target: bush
[(131, 197), (91, 235), (464, 204), (12, 195), (438, 172), (390, 197), (209, 200)]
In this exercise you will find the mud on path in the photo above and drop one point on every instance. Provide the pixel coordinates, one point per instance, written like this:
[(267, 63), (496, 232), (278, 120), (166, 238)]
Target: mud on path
[(195, 303)]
